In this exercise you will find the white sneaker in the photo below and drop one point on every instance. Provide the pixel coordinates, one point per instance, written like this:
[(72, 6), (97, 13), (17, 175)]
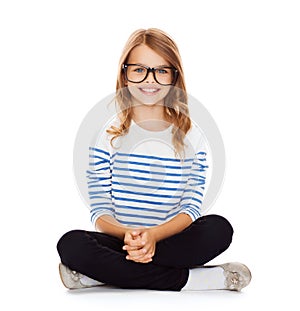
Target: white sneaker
[(73, 280), (237, 275)]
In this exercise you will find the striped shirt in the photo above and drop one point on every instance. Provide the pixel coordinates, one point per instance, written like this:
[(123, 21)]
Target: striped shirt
[(140, 182)]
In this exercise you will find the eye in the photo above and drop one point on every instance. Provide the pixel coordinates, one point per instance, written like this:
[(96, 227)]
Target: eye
[(139, 70), (162, 71)]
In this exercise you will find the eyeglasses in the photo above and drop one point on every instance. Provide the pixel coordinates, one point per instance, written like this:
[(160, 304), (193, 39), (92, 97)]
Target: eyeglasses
[(164, 75)]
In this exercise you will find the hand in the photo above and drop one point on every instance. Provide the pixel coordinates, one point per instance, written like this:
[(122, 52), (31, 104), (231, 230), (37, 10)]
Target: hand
[(140, 245)]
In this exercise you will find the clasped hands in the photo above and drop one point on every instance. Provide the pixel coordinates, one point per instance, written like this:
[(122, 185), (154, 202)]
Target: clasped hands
[(140, 245)]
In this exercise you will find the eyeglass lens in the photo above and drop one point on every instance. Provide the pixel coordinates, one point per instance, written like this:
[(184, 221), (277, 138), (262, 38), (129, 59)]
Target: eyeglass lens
[(138, 73)]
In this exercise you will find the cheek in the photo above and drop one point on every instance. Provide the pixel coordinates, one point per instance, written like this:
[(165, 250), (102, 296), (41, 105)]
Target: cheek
[(165, 91), (133, 90)]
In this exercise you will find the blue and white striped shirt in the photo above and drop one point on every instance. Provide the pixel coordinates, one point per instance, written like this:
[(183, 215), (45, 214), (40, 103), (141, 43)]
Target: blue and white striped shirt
[(140, 182)]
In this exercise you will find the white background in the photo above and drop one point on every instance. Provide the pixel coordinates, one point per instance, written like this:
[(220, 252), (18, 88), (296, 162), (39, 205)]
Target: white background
[(59, 58)]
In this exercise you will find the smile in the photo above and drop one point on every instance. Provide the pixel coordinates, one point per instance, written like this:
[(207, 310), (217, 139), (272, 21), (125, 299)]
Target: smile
[(149, 91)]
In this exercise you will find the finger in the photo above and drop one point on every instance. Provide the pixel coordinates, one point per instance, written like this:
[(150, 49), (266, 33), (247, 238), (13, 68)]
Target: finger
[(132, 235), (143, 259), (136, 243), (137, 253), (139, 257), (135, 233), (130, 248)]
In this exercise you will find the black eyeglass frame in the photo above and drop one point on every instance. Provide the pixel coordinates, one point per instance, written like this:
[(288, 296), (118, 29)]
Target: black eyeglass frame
[(175, 71)]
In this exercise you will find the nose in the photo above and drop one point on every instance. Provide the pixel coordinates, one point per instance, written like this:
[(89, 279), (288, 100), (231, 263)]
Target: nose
[(150, 77)]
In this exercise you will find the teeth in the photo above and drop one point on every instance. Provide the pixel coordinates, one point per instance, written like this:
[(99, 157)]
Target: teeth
[(149, 90)]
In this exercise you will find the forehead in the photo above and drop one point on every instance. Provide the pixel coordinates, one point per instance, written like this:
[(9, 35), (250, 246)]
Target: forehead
[(144, 55)]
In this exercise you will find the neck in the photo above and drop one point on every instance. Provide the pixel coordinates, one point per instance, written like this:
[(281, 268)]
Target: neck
[(150, 117)]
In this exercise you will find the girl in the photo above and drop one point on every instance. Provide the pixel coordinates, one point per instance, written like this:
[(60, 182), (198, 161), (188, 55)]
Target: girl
[(146, 183)]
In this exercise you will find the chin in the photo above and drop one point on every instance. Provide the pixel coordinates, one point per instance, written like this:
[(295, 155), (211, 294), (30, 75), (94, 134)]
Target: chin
[(149, 103)]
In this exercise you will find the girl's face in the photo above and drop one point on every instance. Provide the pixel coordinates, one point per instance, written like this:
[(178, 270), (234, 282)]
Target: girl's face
[(148, 92)]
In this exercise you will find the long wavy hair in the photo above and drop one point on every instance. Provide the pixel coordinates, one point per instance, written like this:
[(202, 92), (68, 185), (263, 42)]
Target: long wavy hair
[(175, 103)]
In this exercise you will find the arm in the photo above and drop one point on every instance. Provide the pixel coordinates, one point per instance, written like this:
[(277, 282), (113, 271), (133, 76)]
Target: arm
[(110, 225), (173, 226), (194, 192), (99, 183)]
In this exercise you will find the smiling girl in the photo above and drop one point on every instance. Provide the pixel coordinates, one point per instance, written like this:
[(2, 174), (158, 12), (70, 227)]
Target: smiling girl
[(147, 179)]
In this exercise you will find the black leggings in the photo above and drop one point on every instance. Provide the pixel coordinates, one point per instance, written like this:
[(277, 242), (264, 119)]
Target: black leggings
[(100, 256)]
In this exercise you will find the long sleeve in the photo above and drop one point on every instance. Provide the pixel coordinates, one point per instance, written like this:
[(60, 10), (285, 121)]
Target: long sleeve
[(194, 191), (197, 182), (99, 183)]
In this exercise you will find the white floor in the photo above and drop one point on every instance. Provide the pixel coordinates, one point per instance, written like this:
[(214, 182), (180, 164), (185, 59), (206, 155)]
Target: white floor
[(29, 284), (51, 295)]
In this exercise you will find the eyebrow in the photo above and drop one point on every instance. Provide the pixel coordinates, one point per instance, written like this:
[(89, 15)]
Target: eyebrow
[(150, 66)]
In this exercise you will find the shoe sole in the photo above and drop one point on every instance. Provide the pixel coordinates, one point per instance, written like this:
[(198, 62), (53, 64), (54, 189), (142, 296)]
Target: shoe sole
[(61, 269), (242, 270), (235, 267)]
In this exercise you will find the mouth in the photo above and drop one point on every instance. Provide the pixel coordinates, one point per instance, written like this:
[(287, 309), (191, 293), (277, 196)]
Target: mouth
[(149, 91)]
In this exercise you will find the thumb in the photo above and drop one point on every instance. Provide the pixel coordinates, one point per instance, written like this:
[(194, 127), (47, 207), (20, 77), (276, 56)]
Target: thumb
[(136, 232)]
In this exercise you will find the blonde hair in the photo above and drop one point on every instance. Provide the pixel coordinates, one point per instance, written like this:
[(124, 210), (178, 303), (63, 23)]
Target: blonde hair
[(175, 103)]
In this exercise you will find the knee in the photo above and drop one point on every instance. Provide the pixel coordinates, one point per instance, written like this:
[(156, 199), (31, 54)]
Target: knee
[(222, 229), (67, 243)]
